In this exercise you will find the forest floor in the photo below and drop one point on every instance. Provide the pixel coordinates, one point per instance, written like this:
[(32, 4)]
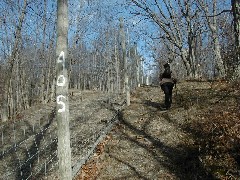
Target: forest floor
[(198, 138)]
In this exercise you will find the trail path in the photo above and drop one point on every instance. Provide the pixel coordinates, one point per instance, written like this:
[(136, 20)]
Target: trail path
[(148, 143)]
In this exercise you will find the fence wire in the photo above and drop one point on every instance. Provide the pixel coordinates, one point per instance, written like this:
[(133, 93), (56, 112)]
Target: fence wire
[(29, 144)]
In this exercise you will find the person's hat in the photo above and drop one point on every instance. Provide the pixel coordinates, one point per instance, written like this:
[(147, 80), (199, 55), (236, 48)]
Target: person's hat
[(166, 65)]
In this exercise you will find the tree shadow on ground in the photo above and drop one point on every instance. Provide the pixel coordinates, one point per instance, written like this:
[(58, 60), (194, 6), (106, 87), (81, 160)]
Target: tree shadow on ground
[(158, 106), (216, 134), (214, 142), (139, 175), (183, 161), (31, 154)]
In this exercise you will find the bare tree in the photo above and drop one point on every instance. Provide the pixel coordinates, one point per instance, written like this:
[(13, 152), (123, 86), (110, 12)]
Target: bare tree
[(176, 24), (124, 56), (213, 26), (11, 61)]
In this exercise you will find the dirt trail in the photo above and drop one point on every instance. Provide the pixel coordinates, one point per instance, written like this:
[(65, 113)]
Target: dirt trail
[(148, 142)]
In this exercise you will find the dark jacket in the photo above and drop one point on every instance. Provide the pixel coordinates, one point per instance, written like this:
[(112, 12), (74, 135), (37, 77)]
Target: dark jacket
[(166, 77)]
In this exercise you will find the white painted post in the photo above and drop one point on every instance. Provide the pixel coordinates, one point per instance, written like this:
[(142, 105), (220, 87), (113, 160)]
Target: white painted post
[(64, 150)]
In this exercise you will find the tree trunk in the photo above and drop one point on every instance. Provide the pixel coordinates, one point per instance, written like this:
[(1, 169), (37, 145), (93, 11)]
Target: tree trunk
[(217, 56), (212, 23), (117, 82), (64, 150), (216, 45), (137, 69), (123, 43), (236, 21)]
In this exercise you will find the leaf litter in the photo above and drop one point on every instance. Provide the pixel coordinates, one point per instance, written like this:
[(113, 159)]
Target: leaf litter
[(198, 138)]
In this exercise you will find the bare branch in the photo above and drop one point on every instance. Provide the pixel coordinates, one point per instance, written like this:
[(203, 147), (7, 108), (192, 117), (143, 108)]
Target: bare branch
[(223, 11)]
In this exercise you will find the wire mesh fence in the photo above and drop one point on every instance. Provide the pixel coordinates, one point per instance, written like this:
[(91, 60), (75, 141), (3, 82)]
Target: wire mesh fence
[(29, 142)]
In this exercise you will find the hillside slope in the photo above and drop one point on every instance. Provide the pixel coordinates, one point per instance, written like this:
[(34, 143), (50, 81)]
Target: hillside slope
[(198, 138)]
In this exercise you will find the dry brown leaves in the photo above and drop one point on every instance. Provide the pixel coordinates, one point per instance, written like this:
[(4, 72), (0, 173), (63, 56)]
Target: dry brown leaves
[(219, 129), (90, 170)]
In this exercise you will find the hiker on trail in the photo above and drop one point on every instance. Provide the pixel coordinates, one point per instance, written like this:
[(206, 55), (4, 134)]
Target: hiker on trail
[(167, 82)]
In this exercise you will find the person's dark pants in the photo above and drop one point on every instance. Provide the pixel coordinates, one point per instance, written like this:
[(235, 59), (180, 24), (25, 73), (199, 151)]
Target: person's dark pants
[(167, 89)]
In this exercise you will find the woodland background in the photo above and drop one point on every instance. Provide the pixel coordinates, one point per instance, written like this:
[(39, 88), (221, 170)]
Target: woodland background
[(199, 38)]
